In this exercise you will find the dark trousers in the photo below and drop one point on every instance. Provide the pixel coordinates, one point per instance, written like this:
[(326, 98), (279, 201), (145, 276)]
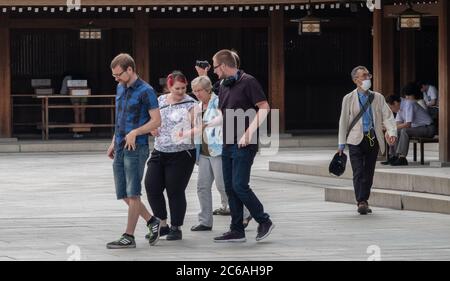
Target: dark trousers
[(363, 158), (236, 166), (169, 171)]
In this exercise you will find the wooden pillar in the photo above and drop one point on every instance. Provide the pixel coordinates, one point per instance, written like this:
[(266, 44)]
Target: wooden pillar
[(5, 79), (444, 82), (141, 45), (276, 65), (383, 53), (407, 57)]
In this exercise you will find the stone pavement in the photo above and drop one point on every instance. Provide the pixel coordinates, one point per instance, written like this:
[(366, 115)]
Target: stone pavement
[(55, 206)]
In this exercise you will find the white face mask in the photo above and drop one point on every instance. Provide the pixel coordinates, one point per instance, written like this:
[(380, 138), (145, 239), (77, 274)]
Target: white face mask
[(366, 84)]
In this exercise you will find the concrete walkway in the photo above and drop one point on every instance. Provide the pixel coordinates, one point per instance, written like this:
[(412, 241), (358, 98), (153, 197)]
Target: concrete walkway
[(60, 206)]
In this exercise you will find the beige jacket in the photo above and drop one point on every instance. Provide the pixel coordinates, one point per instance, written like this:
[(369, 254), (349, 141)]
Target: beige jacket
[(382, 115)]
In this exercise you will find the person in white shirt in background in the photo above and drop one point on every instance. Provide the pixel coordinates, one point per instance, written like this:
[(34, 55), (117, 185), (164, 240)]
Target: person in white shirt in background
[(430, 94), (431, 98)]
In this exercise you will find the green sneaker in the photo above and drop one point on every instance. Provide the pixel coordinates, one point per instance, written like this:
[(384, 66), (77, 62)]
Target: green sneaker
[(154, 229), (163, 230), (124, 242)]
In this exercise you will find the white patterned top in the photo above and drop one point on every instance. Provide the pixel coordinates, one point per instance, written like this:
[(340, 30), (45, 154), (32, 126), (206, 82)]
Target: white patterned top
[(174, 118)]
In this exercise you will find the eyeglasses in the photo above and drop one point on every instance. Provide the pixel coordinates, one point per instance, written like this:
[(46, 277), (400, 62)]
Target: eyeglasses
[(217, 66), (367, 75), (118, 75)]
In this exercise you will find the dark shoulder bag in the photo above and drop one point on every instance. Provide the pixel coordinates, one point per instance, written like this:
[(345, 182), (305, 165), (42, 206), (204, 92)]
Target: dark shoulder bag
[(360, 114), (178, 103)]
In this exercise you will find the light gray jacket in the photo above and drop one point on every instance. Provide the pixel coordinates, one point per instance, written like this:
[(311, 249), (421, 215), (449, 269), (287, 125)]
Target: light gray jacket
[(382, 115)]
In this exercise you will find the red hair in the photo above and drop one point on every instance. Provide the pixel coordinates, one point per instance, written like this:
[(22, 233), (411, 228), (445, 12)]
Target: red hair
[(176, 76)]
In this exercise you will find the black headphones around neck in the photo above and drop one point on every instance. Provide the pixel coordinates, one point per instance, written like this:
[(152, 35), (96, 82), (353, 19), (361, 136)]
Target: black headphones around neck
[(230, 81)]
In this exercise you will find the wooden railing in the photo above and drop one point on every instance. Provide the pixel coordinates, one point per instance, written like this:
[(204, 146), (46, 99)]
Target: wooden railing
[(46, 106)]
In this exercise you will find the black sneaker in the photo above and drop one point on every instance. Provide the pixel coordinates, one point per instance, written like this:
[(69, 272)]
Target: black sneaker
[(201, 227), (390, 160), (264, 230), (231, 236), (124, 242), (163, 230), (154, 228), (174, 234), (401, 161)]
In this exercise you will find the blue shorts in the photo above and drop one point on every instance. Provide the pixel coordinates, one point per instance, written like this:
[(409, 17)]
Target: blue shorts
[(128, 168)]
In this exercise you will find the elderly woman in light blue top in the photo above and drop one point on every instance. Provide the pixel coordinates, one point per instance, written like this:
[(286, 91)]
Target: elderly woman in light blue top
[(209, 154)]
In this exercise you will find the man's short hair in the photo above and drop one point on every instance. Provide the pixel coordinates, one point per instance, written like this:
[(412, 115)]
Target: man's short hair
[(393, 98), (355, 70), (236, 57), (412, 89), (226, 57), (124, 61), (422, 83)]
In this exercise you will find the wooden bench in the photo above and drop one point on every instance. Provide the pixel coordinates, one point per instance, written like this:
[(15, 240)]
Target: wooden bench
[(422, 141)]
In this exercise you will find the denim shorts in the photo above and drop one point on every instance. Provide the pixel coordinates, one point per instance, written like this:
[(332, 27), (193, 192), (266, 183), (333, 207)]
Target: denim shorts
[(128, 168)]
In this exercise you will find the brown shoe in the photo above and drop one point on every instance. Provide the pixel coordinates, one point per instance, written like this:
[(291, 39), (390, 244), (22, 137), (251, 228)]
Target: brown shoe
[(363, 208)]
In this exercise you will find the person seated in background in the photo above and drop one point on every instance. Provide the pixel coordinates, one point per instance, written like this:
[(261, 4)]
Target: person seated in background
[(430, 93), (430, 97), (412, 121)]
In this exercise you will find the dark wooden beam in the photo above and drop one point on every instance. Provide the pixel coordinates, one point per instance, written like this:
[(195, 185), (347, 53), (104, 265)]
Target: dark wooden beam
[(153, 2), (276, 65), (388, 57), (377, 49), (407, 57), (5, 79), (383, 54), (444, 82), (178, 23), (141, 46), (430, 9), (69, 23)]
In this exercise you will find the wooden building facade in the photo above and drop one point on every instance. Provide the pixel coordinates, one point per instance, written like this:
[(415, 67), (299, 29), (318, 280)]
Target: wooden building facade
[(305, 77)]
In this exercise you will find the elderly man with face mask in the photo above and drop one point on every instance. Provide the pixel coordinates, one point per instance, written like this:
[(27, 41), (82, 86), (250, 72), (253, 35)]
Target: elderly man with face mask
[(363, 115)]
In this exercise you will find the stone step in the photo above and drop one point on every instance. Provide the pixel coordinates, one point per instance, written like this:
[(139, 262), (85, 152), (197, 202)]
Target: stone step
[(427, 180), (400, 200), (302, 141), (284, 141), (434, 184), (56, 146), (8, 140), (314, 168)]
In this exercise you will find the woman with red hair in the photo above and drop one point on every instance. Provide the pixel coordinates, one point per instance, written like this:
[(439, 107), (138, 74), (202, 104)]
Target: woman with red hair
[(173, 158)]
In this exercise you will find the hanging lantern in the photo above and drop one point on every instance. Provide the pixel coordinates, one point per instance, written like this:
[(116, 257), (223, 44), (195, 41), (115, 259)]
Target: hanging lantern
[(309, 24), (90, 32), (409, 19)]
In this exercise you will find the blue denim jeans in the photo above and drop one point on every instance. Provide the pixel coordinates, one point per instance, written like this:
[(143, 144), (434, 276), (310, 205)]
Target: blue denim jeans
[(128, 168), (236, 166)]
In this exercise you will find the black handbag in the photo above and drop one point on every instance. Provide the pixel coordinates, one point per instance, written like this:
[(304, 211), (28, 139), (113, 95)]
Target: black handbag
[(337, 164)]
